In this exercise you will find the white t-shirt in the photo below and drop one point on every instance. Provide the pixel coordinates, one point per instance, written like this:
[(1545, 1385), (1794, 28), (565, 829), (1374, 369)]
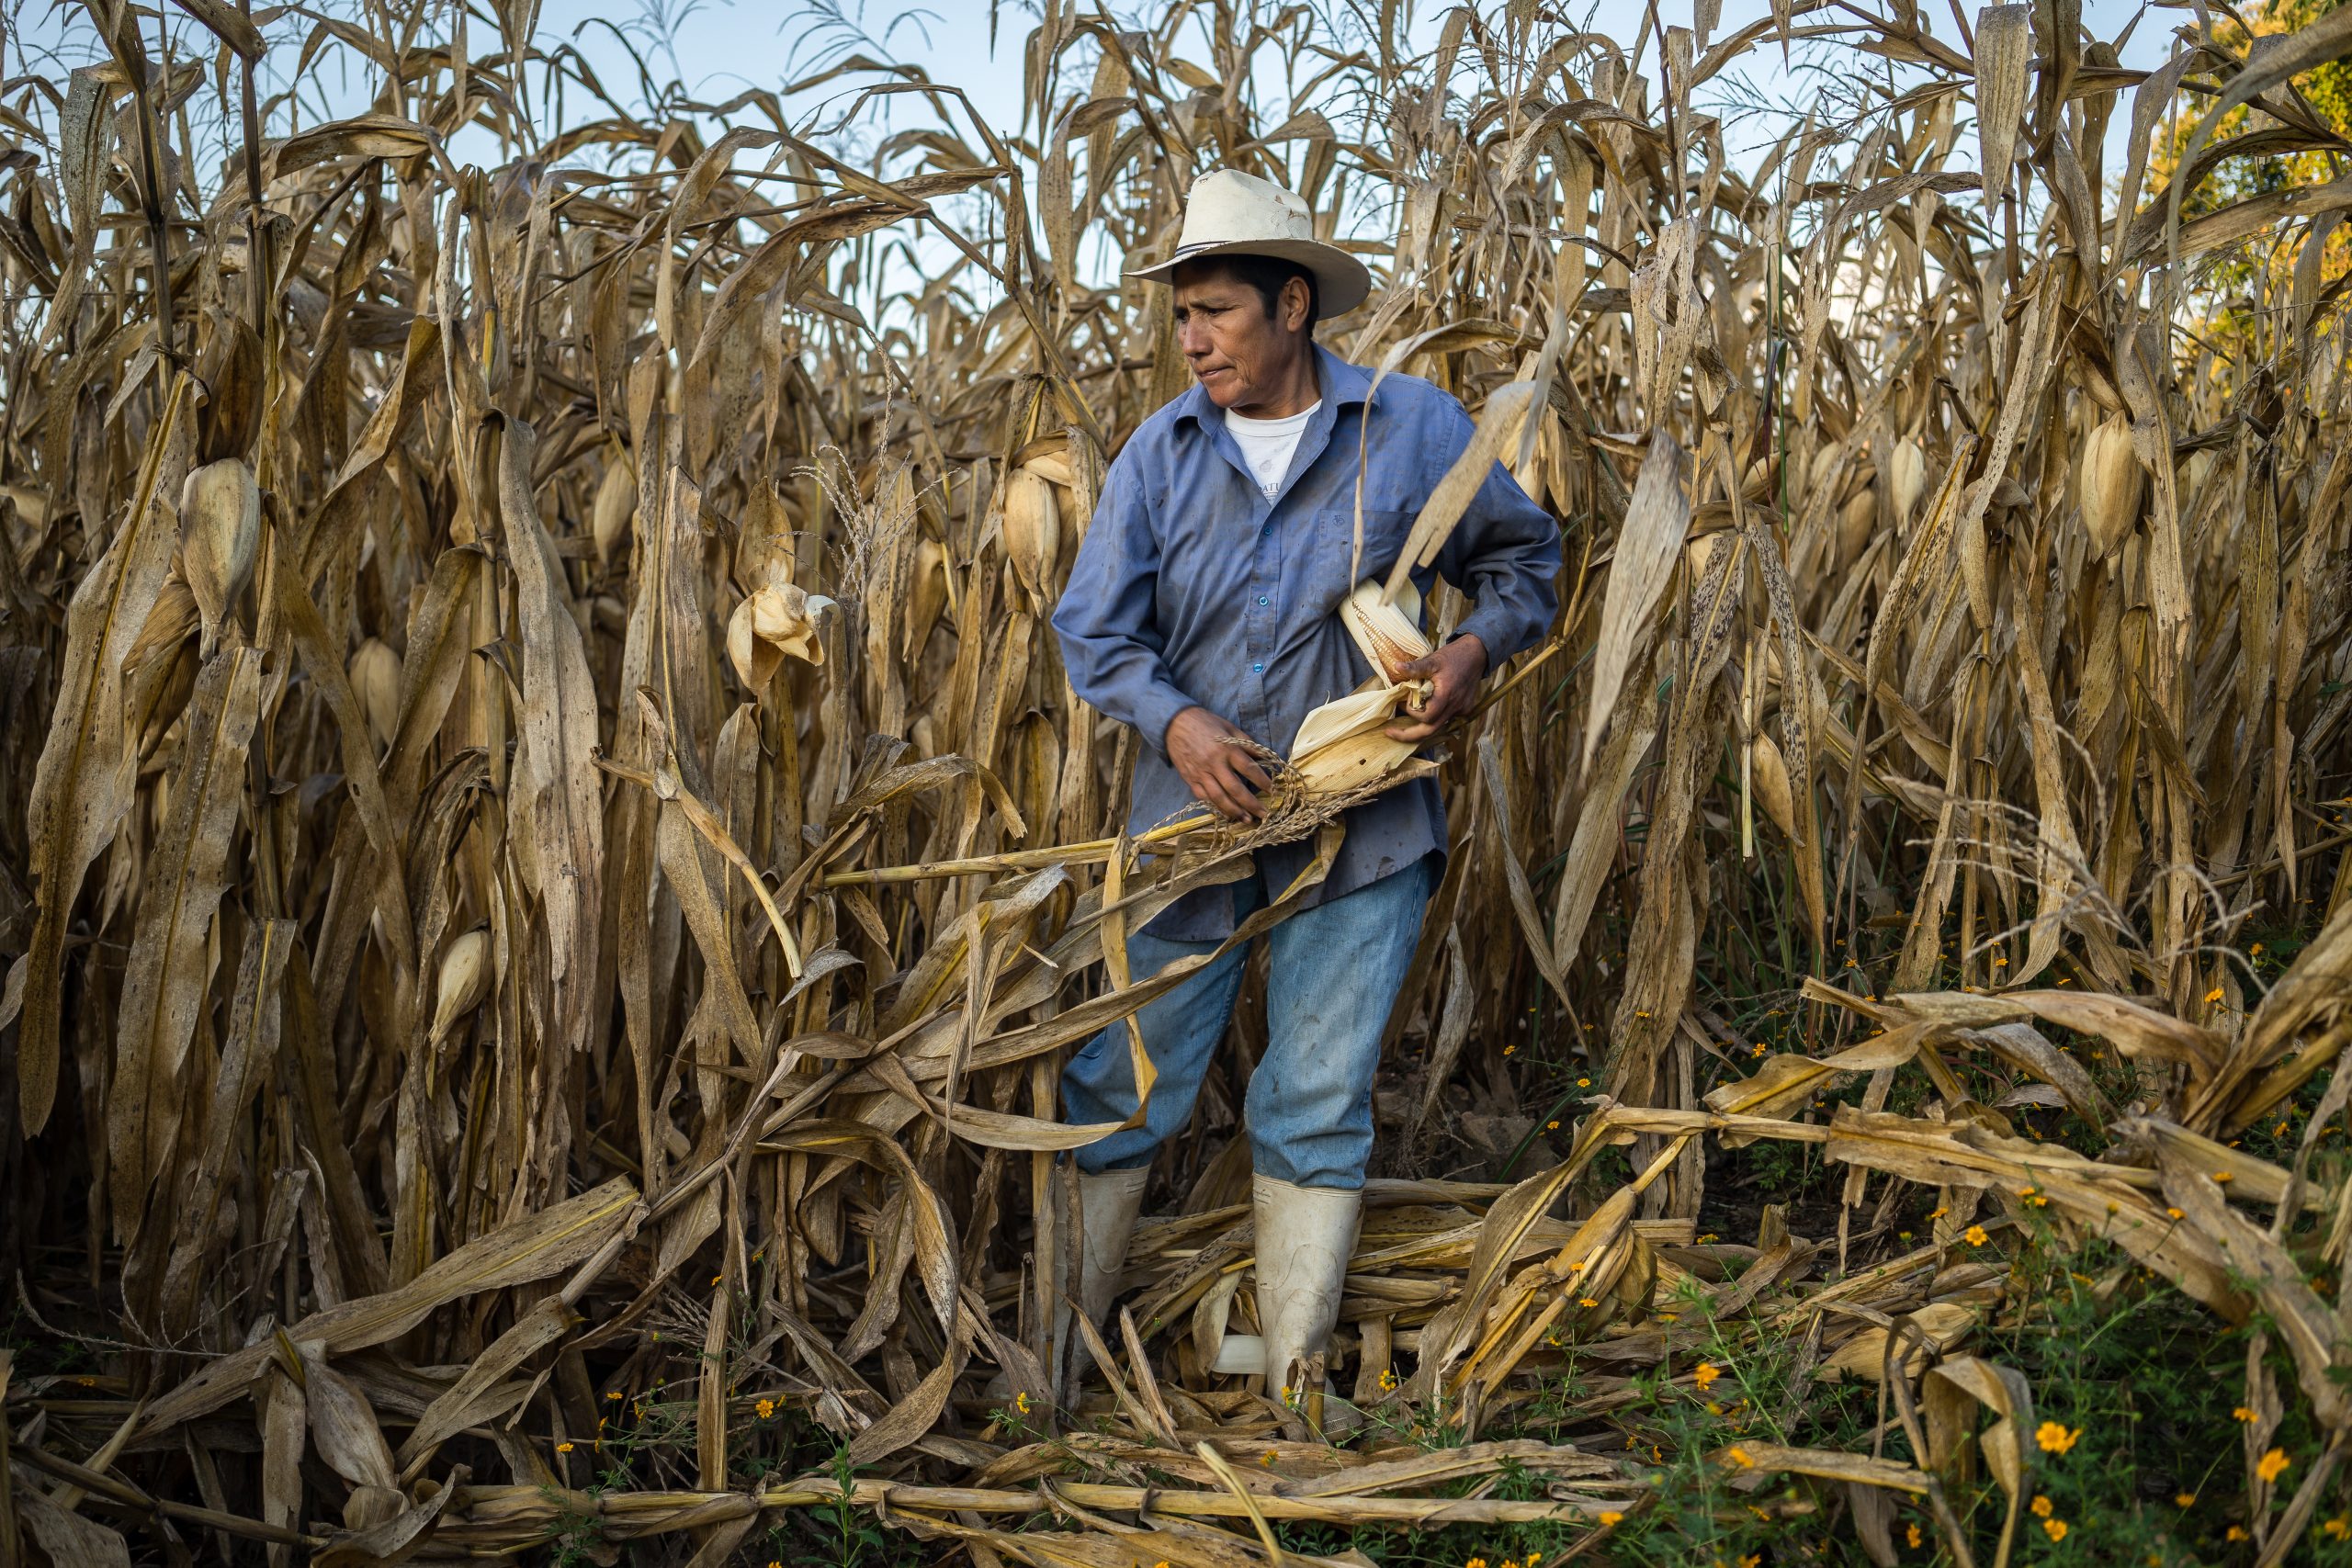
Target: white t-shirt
[(1267, 443)]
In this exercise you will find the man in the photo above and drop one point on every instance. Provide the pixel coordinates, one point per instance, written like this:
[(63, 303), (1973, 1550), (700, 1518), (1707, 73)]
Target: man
[(1203, 610)]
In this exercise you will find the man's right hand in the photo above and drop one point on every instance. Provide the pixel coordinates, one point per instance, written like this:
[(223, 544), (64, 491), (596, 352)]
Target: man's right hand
[(1211, 757)]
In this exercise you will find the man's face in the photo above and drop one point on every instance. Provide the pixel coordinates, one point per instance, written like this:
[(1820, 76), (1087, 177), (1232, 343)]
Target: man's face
[(1241, 355)]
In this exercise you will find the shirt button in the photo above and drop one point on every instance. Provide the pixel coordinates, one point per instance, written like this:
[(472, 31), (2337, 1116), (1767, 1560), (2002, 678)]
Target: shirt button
[(1258, 668), (1262, 598)]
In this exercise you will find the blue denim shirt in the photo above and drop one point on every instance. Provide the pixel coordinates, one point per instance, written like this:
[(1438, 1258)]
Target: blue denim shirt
[(1191, 587)]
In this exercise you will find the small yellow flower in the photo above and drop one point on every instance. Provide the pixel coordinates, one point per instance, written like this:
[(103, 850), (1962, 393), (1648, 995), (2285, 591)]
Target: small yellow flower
[(1707, 1374), (2054, 1438), (766, 1408), (612, 1393), (2222, 1176), (1911, 1537), (1551, 1126), (1509, 1049), (563, 1448), (1609, 1518), (1973, 1235), (2338, 1528), (2272, 1465), (719, 1279), (2254, 952), (1476, 1562), (2235, 1532), (1021, 1404), (2246, 1414), (1267, 1459), (1759, 1049), (2172, 1211), (1738, 1456), (2041, 1505), (1584, 1083), (1387, 1379), (2055, 1528), (2214, 995), (1752, 1560), (1940, 1214), (2184, 1499), (1587, 1301)]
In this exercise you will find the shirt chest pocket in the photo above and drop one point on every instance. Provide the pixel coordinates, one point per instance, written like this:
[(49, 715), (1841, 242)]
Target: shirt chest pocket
[(1385, 532)]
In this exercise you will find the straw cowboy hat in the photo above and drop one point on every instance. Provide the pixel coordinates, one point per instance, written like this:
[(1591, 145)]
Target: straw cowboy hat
[(1233, 213)]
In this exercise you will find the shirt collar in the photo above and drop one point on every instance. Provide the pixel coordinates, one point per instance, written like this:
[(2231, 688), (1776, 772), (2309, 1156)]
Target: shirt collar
[(1342, 383)]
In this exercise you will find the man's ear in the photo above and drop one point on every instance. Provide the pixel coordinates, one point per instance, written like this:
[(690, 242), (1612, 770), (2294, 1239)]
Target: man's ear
[(1295, 299)]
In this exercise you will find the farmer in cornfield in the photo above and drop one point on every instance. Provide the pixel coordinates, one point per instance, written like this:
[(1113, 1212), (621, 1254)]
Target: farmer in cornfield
[(1203, 611)]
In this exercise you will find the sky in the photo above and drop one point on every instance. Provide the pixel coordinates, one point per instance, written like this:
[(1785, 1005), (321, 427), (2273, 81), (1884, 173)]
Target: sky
[(718, 49), (748, 42)]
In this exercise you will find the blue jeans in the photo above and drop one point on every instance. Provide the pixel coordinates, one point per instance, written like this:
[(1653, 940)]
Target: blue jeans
[(1333, 973)]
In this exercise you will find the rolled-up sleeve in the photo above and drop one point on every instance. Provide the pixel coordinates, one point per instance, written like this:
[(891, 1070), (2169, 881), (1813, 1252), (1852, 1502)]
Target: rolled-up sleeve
[(1505, 554), (1110, 643)]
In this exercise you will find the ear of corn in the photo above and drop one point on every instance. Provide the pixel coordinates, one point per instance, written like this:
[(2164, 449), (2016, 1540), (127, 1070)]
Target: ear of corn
[(1033, 533), (769, 627), (2110, 482), (376, 680), (1907, 478), (1388, 636), (462, 982), (219, 529)]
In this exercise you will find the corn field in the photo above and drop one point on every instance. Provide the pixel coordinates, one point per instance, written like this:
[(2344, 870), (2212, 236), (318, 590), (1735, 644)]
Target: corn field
[(550, 863)]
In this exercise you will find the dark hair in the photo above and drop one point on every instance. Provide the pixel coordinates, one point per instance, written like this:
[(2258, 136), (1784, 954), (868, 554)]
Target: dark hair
[(1267, 275)]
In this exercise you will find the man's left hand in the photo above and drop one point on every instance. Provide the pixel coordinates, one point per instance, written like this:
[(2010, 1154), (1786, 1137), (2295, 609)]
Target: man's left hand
[(1455, 671)]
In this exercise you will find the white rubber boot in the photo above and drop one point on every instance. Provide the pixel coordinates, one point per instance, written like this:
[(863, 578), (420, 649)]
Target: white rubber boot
[(1305, 1235), (1108, 1207)]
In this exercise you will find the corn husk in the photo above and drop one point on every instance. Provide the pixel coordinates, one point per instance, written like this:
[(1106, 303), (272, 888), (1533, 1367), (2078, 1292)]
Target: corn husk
[(1769, 775), (1907, 478), (615, 508), (1032, 532), (1856, 519), (219, 529), (2110, 480), (926, 595), (770, 627), (1388, 636), (1342, 747), (376, 680), (463, 981)]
